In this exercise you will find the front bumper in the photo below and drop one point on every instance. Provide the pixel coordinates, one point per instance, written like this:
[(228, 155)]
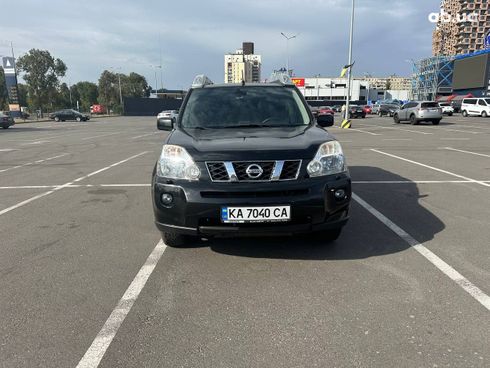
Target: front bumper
[(196, 209)]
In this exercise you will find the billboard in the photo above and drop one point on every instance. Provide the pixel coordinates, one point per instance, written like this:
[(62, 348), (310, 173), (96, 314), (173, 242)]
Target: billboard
[(471, 72), (300, 82), (8, 64)]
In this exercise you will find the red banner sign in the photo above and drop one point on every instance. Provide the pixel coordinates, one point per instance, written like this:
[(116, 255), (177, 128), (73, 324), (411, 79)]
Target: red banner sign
[(300, 82)]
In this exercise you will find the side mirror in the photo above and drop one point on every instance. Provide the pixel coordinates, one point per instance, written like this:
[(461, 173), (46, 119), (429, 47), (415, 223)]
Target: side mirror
[(165, 124), (325, 120)]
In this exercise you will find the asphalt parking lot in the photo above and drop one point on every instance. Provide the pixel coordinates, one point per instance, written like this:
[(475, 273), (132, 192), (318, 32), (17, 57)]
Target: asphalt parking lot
[(84, 277)]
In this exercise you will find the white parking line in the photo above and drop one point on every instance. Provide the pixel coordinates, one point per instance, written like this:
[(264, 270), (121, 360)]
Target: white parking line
[(103, 340), (407, 130), (454, 139), (35, 143), (364, 131), (27, 201), (32, 163), (462, 131), (100, 136), (431, 167), (397, 139), (76, 186), (444, 267), (416, 181), (463, 151), (144, 135)]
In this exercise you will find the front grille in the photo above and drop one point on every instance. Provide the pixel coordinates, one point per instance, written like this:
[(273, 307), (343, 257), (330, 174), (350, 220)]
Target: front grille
[(253, 171), (290, 170), (218, 172), (241, 170)]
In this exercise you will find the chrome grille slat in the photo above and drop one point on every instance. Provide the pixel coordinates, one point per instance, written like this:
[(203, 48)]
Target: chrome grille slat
[(236, 171)]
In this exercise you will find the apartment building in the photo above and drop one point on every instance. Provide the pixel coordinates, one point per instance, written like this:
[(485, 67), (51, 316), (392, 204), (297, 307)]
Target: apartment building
[(462, 27), (243, 64)]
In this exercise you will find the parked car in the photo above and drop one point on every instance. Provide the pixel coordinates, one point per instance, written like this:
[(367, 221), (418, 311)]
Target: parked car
[(356, 112), (68, 114), (249, 160), (173, 115), (375, 108), (368, 109), (415, 112), (387, 110), (476, 107), (456, 104), (337, 108), (6, 120), (446, 108), (325, 110), (314, 110)]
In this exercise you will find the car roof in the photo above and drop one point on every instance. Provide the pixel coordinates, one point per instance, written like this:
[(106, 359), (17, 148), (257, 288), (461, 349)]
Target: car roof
[(234, 85)]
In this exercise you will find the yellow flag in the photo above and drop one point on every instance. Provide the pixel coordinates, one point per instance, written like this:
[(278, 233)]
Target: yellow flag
[(345, 68)]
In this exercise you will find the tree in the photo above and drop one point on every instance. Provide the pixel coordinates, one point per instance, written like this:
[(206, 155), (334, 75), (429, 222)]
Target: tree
[(23, 94), (61, 99), (87, 93), (109, 90), (134, 85), (41, 71)]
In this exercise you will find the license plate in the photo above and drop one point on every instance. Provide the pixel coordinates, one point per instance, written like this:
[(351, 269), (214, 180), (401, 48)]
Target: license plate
[(255, 214)]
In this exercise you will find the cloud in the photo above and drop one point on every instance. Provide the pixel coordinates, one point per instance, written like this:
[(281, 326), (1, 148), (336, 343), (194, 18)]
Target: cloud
[(92, 36)]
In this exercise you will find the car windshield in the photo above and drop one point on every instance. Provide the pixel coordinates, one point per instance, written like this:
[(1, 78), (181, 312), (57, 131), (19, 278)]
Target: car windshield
[(487, 100), (244, 106)]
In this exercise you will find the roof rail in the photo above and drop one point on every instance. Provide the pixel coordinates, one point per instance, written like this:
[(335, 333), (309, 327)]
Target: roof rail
[(281, 76), (201, 80)]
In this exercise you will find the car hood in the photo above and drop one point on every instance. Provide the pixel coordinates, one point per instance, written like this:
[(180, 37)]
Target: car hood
[(251, 143)]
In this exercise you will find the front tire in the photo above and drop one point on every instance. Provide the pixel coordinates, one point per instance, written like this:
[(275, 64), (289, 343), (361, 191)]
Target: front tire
[(396, 118), (79, 119), (484, 114), (413, 120), (178, 240), (450, 114), (57, 119), (436, 121), (465, 113)]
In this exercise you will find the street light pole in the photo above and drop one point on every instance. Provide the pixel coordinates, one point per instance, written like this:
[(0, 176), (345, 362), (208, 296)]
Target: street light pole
[(287, 48), (351, 40), (155, 67)]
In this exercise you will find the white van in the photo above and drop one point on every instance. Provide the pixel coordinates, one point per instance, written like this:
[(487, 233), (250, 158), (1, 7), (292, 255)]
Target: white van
[(476, 107)]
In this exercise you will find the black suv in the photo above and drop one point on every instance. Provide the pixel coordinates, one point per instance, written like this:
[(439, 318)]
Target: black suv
[(249, 159), (68, 114)]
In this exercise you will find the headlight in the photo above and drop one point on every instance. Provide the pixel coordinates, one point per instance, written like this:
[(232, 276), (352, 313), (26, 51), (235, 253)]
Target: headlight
[(176, 163), (328, 160)]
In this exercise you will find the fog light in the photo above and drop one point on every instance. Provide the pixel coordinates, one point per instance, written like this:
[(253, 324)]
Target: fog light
[(339, 194), (167, 199)]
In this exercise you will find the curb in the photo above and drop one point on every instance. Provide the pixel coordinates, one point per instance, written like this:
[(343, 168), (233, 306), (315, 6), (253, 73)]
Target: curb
[(51, 120)]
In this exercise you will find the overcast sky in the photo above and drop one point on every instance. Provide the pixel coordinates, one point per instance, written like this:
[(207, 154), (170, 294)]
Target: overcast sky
[(90, 36)]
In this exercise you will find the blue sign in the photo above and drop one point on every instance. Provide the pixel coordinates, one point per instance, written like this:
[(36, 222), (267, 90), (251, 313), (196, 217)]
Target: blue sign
[(8, 64), (487, 41)]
